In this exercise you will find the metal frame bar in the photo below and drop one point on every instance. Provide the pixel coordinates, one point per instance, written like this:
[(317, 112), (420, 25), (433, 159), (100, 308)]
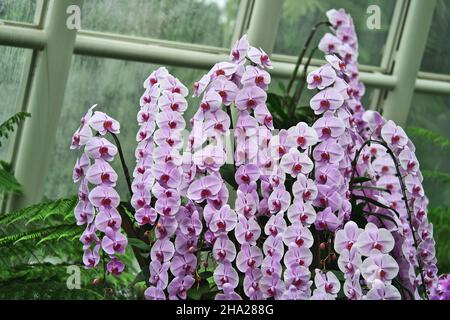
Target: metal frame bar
[(408, 59), (45, 102)]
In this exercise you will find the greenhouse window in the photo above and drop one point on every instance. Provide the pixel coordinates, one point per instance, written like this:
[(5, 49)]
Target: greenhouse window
[(115, 85), (164, 20), (303, 15), (18, 10)]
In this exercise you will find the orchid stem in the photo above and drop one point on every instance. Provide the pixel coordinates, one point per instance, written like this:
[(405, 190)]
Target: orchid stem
[(124, 165), (405, 199), (301, 86), (302, 54)]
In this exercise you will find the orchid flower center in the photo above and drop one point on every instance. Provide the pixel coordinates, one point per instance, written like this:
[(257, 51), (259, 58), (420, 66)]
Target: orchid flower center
[(377, 246), (326, 131), (172, 124), (223, 94), (317, 79), (273, 231), (325, 156), (299, 241), (306, 194), (329, 287), (107, 125), (147, 99), (277, 204), (174, 106), (251, 103), (142, 135), (205, 193), (259, 80), (106, 202), (245, 178), (103, 150), (165, 178), (112, 223), (221, 225), (325, 104), (205, 106), (301, 140), (105, 177), (297, 168)]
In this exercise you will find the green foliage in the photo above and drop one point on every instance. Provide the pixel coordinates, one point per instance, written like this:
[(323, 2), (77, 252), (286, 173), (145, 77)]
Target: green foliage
[(437, 176), (8, 183), (440, 218), (9, 125), (431, 137), (42, 212), (38, 243)]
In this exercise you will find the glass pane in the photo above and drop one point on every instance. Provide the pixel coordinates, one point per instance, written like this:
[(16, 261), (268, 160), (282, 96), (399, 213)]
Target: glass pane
[(18, 10), (438, 47), (299, 16), (116, 86), (207, 22), (432, 112), (12, 62)]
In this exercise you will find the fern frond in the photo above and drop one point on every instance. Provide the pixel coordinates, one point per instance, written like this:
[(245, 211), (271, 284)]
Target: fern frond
[(10, 125), (8, 183), (56, 232), (437, 176), (41, 211), (71, 234), (430, 136)]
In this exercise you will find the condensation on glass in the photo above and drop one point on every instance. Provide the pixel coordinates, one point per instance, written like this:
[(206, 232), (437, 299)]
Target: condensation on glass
[(18, 10), (206, 22), (436, 55), (432, 112), (12, 62), (298, 18), (116, 86)]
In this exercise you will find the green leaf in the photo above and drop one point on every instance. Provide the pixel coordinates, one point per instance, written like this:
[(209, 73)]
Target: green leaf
[(360, 180), (8, 183), (140, 277), (228, 171), (437, 176), (381, 216), (376, 203), (138, 243), (430, 136), (9, 125), (41, 211), (371, 188), (198, 290)]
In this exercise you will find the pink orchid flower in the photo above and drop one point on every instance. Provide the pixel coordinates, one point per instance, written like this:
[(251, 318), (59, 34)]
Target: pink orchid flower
[(374, 238), (103, 123), (321, 78)]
